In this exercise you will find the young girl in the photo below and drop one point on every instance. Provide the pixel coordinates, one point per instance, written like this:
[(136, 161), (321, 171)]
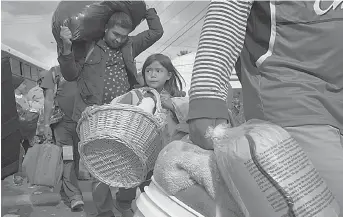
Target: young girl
[(159, 73)]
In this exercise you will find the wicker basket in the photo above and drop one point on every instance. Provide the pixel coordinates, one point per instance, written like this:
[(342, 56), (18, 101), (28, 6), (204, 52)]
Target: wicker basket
[(119, 143)]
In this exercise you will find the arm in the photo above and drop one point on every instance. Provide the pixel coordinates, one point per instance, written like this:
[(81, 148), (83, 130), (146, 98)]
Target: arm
[(70, 68), (47, 83), (48, 105), (144, 40), (221, 42)]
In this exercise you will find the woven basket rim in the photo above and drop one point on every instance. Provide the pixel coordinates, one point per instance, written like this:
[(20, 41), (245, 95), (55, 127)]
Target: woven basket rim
[(91, 110), (95, 112), (105, 133)]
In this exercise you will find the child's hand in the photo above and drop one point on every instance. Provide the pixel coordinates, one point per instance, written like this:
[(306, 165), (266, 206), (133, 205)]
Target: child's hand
[(47, 132), (167, 102), (180, 94)]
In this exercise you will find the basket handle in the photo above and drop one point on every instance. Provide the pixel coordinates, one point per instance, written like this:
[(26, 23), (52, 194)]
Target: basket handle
[(159, 108), (159, 114)]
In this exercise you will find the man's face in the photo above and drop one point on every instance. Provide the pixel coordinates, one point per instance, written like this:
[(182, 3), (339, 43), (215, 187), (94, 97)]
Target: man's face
[(116, 36)]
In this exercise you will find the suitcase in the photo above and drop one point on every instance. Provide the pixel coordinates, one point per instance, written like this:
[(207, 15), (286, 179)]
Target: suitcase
[(43, 164)]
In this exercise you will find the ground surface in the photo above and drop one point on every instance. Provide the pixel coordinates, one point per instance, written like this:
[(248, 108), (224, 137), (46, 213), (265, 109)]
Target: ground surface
[(24, 201)]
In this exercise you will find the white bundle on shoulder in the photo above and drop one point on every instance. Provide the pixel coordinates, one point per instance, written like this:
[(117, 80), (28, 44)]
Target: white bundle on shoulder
[(147, 104)]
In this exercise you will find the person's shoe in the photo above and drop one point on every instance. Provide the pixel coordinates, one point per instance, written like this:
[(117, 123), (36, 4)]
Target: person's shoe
[(124, 212), (76, 205), (18, 180), (127, 213), (107, 214)]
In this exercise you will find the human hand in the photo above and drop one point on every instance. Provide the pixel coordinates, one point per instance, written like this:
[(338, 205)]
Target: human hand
[(180, 94), (47, 132), (66, 35), (198, 129), (148, 4), (167, 102)]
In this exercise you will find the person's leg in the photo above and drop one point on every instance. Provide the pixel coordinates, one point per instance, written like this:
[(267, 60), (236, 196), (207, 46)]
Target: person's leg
[(102, 198), (81, 172), (18, 177), (147, 181), (64, 136), (70, 185), (76, 154), (324, 146), (124, 198)]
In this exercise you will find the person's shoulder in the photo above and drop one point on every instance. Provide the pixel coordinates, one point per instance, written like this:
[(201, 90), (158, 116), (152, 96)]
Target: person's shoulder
[(128, 44), (43, 74), (130, 39)]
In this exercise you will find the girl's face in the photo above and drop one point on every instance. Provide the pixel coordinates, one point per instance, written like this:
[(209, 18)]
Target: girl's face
[(156, 75)]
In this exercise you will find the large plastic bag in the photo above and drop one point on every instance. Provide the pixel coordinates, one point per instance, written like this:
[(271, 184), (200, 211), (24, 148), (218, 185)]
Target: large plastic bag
[(269, 174), (36, 98), (27, 122), (87, 19)]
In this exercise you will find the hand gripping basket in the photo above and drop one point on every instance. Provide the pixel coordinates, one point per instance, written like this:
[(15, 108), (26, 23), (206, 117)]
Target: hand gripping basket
[(119, 143)]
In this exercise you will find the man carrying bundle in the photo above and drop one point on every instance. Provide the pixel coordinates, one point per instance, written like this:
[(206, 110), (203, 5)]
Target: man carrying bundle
[(108, 71)]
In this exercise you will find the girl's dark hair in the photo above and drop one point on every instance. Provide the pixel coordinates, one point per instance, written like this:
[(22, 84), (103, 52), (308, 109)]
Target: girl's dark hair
[(174, 85)]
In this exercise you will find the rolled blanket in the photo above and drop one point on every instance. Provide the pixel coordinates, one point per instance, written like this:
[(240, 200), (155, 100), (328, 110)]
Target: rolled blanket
[(182, 165)]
